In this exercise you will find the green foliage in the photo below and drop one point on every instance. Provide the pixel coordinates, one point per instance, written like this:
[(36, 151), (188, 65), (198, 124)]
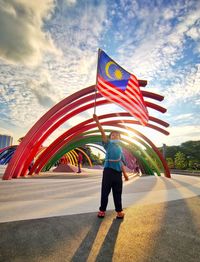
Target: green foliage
[(191, 150), (170, 162), (180, 160), (171, 151), (193, 164), (95, 159), (181, 157)]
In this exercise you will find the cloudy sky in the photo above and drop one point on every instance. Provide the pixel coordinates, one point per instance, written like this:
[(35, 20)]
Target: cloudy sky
[(48, 50)]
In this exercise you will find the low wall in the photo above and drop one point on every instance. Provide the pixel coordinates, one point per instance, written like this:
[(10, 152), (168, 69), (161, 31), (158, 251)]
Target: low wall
[(185, 172)]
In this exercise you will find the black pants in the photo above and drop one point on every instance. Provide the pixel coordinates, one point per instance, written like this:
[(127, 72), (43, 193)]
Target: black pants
[(112, 179)]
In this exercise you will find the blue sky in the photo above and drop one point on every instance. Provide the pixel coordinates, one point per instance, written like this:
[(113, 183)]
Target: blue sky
[(48, 50)]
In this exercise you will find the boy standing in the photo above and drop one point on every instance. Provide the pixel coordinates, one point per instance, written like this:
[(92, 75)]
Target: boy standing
[(112, 173)]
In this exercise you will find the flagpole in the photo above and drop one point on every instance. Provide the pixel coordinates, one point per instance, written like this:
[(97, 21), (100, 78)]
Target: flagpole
[(95, 97)]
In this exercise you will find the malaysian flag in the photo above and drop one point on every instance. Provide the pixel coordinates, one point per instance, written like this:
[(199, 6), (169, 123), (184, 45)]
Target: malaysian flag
[(120, 87)]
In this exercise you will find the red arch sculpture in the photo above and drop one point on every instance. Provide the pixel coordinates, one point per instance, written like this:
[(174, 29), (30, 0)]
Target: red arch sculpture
[(84, 126), (53, 119)]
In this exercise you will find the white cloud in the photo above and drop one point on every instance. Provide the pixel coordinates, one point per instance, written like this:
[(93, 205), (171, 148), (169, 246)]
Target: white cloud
[(43, 89), (168, 14), (177, 135), (183, 117), (197, 102), (77, 34), (181, 134), (151, 50), (21, 105), (70, 2), (194, 33), (23, 39), (4, 131), (188, 87), (158, 44)]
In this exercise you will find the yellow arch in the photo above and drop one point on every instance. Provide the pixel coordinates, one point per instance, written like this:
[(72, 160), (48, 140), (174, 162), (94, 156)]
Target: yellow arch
[(70, 158), (74, 154), (88, 158)]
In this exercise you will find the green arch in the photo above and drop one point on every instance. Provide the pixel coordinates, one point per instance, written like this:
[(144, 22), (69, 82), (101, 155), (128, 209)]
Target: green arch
[(92, 139), (149, 149)]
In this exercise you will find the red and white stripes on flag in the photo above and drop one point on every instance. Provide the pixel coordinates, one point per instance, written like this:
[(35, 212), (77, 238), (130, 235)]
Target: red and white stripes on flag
[(131, 99)]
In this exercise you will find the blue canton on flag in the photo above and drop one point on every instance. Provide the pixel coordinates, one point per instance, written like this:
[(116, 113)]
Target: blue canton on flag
[(120, 87)]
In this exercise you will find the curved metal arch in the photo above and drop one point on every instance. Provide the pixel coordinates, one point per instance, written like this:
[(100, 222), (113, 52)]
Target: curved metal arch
[(143, 164), (6, 157), (86, 155), (93, 125), (65, 118), (103, 151), (6, 154), (72, 132), (63, 140), (69, 158), (91, 139), (16, 163), (100, 117), (72, 157), (40, 152), (125, 140), (138, 148), (148, 148), (75, 156), (24, 166), (5, 148), (31, 141)]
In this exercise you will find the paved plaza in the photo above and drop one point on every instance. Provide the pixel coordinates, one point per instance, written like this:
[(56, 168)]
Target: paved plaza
[(52, 217)]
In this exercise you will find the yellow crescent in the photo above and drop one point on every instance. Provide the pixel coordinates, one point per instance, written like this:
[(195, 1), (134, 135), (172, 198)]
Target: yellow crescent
[(107, 68)]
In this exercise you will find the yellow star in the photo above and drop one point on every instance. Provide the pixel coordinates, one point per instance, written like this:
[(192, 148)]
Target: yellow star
[(118, 74)]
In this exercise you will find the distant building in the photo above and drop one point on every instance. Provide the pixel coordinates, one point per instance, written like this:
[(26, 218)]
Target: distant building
[(5, 140)]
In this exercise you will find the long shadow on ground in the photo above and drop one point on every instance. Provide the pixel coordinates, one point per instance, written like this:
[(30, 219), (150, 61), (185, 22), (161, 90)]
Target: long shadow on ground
[(160, 232)]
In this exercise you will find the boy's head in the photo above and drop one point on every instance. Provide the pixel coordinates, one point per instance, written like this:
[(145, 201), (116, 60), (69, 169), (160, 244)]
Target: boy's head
[(114, 135)]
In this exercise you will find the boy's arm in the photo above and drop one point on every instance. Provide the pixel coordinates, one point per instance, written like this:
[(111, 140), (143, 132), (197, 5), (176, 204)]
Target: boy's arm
[(104, 137), (124, 173)]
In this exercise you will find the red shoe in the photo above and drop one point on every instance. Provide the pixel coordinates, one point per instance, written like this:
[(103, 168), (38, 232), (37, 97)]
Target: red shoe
[(101, 214), (120, 215)]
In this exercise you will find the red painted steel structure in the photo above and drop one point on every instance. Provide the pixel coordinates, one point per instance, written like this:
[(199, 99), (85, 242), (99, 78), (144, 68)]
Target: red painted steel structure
[(31, 143), (78, 127), (82, 127)]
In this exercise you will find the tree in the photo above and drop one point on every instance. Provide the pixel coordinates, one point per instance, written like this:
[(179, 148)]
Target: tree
[(180, 160), (194, 164), (171, 151), (191, 149), (170, 162), (95, 159)]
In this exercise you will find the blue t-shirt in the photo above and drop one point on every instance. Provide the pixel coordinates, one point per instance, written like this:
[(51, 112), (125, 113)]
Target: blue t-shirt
[(113, 152)]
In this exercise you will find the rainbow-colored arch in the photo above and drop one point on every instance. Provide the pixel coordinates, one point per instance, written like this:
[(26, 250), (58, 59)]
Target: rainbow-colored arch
[(63, 111)]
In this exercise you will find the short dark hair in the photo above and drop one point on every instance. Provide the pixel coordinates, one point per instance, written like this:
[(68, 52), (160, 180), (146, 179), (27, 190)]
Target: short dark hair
[(114, 132)]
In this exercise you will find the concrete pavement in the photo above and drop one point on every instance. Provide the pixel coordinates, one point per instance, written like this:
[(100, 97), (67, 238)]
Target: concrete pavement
[(55, 219), (30, 198)]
